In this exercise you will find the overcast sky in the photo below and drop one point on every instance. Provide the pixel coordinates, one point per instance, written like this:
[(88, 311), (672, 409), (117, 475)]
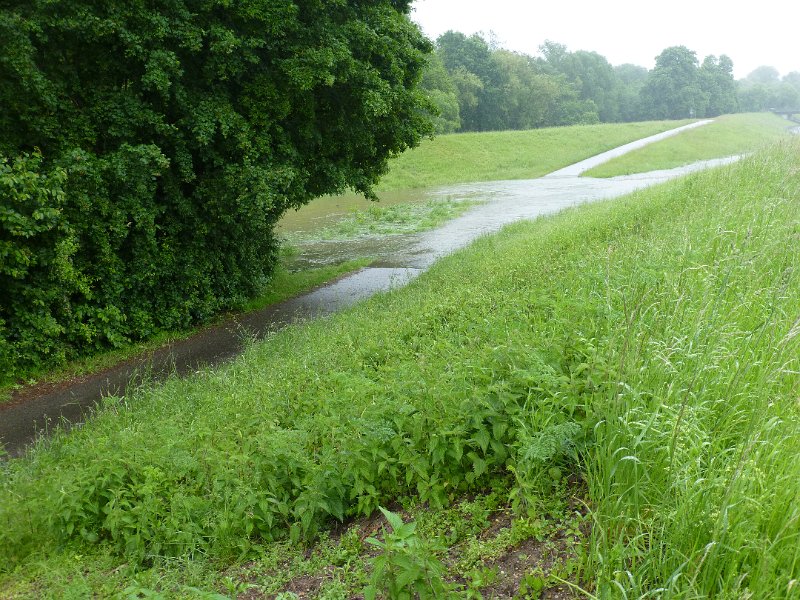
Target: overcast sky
[(766, 32)]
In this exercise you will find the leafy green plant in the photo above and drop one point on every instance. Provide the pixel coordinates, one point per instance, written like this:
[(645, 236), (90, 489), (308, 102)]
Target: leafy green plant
[(405, 568), (147, 151)]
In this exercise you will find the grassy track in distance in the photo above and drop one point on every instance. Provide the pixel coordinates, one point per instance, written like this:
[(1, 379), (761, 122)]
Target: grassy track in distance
[(728, 135)]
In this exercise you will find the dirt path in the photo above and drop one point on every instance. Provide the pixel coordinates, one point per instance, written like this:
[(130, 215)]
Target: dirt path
[(36, 410)]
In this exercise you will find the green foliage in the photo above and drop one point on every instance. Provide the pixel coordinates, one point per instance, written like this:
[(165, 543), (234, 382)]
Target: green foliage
[(147, 152), (443, 93), (716, 81), (664, 324), (405, 568), (497, 89), (763, 90), (672, 90)]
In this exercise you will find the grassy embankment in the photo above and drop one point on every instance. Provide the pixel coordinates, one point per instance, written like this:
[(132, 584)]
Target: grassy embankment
[(492, 155), (453, 159), (283, 285), (496, 155), (640, 357), (728, 135)]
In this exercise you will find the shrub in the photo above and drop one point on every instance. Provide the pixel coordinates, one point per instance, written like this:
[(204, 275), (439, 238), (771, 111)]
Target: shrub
[(149, 150)]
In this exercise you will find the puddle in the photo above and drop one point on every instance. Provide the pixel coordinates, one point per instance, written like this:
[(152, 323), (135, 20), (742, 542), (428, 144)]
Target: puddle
[(504, 203), (324, 212)]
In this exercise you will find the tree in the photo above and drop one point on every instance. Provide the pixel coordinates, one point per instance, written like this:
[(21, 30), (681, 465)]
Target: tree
[(632, 78), (672, 89), (469, 62), (754, 97), (793, 79), (183, 130), (530, 98), (443, 93), (590, 73), (717, 83), (764, 75)]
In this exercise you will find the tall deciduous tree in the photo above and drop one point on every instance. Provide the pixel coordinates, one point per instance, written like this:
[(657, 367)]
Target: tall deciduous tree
[(443, 93), (590, 74), (632, 78), (718, 85), (672, 90)]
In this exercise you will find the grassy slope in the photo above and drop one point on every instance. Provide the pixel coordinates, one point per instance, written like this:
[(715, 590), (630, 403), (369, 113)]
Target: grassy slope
[(490, 156), (447, 159), (649, 345), (283, 285), (726, 136)]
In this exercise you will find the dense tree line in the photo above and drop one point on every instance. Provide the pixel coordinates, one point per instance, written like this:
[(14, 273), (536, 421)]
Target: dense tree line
[(147, 150), (478, 86)]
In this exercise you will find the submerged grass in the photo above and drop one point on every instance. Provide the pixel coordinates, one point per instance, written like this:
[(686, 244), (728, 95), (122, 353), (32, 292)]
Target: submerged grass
[(496, 155), (728, 135), (392, 219), (648, 347)]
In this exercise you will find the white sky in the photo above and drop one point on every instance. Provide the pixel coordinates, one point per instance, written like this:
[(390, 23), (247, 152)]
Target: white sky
[(752, 33)]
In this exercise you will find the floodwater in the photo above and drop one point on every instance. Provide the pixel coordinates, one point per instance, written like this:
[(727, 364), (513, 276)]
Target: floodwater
[(398, 260)]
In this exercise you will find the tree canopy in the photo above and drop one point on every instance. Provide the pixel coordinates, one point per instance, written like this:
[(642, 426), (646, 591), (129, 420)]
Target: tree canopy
[(147, 149), (495, 88)]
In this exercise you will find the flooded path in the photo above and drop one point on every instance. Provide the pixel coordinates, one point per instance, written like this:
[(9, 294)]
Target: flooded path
[(399, 259)]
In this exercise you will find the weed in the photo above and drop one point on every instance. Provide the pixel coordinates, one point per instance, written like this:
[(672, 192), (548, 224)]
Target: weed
[(405, 568)]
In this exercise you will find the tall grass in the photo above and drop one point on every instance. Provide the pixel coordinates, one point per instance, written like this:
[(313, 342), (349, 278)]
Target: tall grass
[(695, 472), (650, 345)]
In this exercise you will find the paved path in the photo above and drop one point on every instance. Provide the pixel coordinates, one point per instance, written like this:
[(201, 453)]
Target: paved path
[(35, 410)]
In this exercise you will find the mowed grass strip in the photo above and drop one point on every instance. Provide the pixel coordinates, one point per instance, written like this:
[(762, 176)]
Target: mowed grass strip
[(728, 135), (649, 346), (498, 155)]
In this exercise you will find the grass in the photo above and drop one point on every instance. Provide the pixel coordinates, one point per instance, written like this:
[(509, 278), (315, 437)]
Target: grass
[(642, 355), (491, 156), (283, 285), (392, 219), (447, 159), (728, 135)]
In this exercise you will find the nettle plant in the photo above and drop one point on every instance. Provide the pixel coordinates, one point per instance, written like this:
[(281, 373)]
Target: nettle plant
[(406, 567)]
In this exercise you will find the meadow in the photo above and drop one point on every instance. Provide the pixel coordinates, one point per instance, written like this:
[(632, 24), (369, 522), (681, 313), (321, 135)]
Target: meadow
[(496, 155), (605, 400), (728, 135)]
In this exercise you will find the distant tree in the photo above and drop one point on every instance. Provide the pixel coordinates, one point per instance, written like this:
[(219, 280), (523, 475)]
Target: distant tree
[(632, 78), (468, 89), (718, 85), (590, 73), (672, 89), (443, 93), (785, 96), (532, 98), (765, 75), (522, 102), (476, 75), (793, 79), (755, 97)]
